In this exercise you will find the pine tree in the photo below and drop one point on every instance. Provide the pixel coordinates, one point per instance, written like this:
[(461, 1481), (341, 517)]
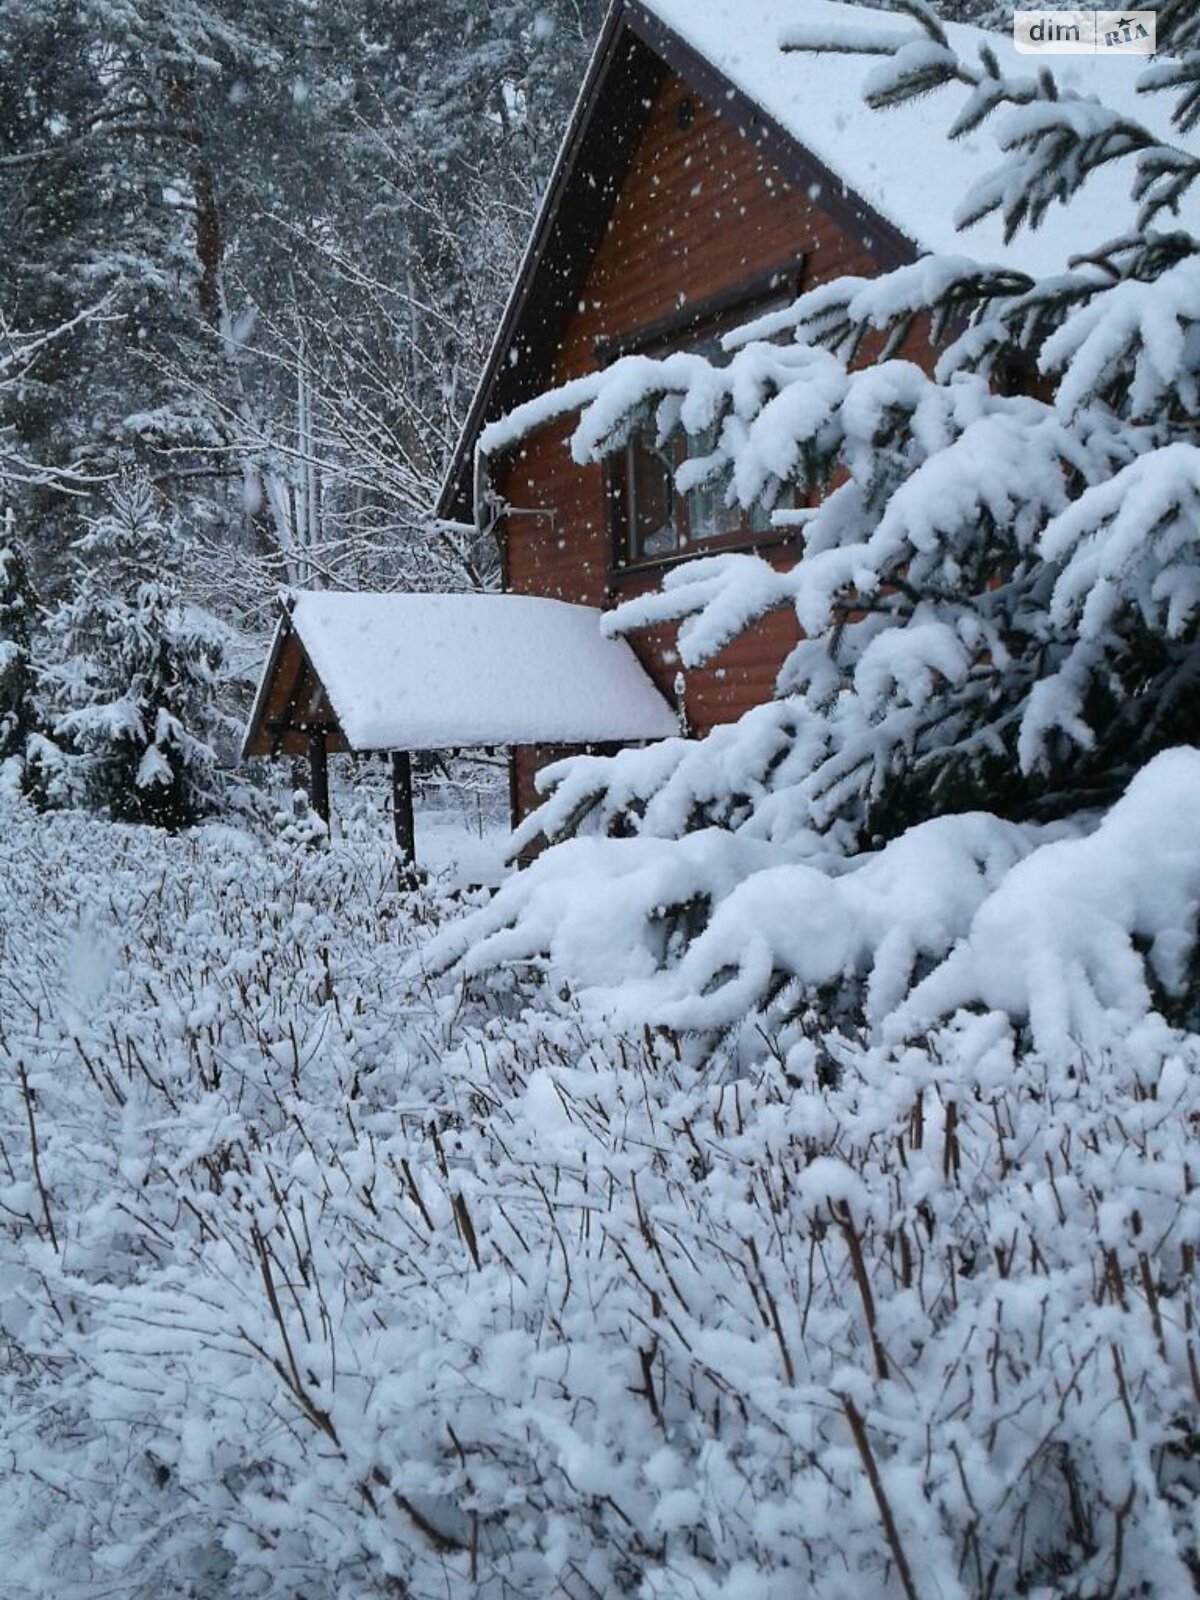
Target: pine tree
[(132, 695), (295, 219)]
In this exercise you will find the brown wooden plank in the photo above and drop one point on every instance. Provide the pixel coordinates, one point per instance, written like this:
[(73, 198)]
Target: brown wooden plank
[(402, 805), (318, 768)]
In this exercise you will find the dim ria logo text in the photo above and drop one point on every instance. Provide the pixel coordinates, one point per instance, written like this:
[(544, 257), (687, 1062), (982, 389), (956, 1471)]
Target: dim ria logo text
[(1072, 33)]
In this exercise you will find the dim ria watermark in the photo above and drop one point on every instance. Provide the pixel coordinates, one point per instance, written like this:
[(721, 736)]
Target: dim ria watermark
[(1084, 33)]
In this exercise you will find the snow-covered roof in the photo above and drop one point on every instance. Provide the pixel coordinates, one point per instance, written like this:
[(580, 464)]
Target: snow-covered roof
[(435, 671), (901, 161), (898, 168)]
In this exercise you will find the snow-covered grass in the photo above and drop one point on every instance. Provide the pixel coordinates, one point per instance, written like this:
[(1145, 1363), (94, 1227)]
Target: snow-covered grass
[(319, 1282)]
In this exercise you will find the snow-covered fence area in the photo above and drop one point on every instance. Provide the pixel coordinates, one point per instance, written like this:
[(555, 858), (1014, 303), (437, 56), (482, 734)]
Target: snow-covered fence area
[(322, 1282)]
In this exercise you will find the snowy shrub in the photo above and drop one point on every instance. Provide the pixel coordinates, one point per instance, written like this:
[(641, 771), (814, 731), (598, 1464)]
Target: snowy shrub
[(188, 1038), (321, 1285), (298, 826)]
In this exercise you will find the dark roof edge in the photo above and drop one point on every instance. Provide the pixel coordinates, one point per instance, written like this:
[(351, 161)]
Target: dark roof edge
[(882, 238), (461, 469), (285, 629), (270, 667)]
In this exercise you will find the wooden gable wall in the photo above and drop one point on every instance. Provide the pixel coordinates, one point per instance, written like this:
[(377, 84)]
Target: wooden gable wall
[(293, 702), (702, 209)]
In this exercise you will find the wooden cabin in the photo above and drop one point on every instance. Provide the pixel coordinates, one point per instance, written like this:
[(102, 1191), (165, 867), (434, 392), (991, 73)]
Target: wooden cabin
[(705, 176)]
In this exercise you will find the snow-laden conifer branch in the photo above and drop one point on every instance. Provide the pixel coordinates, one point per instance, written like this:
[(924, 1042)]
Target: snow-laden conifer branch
[(992, 577), (1053, 138)]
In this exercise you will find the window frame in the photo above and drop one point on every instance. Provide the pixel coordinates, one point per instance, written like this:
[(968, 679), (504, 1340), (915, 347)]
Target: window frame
[(689, 325)]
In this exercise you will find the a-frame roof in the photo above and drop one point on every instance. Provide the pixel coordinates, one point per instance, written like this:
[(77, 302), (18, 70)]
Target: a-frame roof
[(890, 179), (448, 671)]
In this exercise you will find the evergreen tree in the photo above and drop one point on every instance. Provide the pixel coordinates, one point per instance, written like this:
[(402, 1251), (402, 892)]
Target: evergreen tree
[(300, 223), (998, 596), (17, 609), (132, 696)]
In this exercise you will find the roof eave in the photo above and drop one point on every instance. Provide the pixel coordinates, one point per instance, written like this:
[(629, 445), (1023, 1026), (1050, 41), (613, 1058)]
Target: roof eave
[(454, 495), (887, 243), (253, 733)]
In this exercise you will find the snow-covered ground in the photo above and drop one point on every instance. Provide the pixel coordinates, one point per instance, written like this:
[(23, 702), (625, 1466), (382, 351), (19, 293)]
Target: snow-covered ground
[(458, 851), (460, 823)]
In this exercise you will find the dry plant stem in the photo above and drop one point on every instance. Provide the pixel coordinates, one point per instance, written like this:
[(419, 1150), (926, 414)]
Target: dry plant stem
[(1112, 1276), (870, 1467), (950, 1151), (1151, 1294), (466, 1228), (34, 1155), (789, 1369), (841, 1215), (315, 1413), (319, 1417), (1189, 1267)]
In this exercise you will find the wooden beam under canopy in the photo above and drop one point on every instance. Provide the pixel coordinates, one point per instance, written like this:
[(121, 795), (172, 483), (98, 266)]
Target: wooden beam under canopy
[(402, 805), (318, 767)]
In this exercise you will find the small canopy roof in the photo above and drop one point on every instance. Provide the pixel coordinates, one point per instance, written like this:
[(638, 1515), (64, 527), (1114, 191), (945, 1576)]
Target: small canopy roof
[(439, 671)]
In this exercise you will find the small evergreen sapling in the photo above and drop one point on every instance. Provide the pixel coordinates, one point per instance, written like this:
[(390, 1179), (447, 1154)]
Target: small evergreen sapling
[(17, 609), (297, 825), (134, 690)]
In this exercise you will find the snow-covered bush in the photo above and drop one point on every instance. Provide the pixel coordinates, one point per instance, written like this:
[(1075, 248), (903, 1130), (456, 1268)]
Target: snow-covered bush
[(297, 825), (194, 1036), (131, 691), (320, 1284)]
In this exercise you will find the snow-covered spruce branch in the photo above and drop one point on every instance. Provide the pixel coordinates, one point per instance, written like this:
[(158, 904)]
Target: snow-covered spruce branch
[(1053, 138), (23, 349), (731, 930), (943, 663), (923, 585)]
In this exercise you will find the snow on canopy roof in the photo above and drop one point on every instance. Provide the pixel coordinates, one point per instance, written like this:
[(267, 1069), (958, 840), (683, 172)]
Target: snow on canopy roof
[(901, 161), (436, 671)]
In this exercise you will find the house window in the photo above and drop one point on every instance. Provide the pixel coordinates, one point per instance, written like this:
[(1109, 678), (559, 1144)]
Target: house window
[(646, 500), (652, 522)]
